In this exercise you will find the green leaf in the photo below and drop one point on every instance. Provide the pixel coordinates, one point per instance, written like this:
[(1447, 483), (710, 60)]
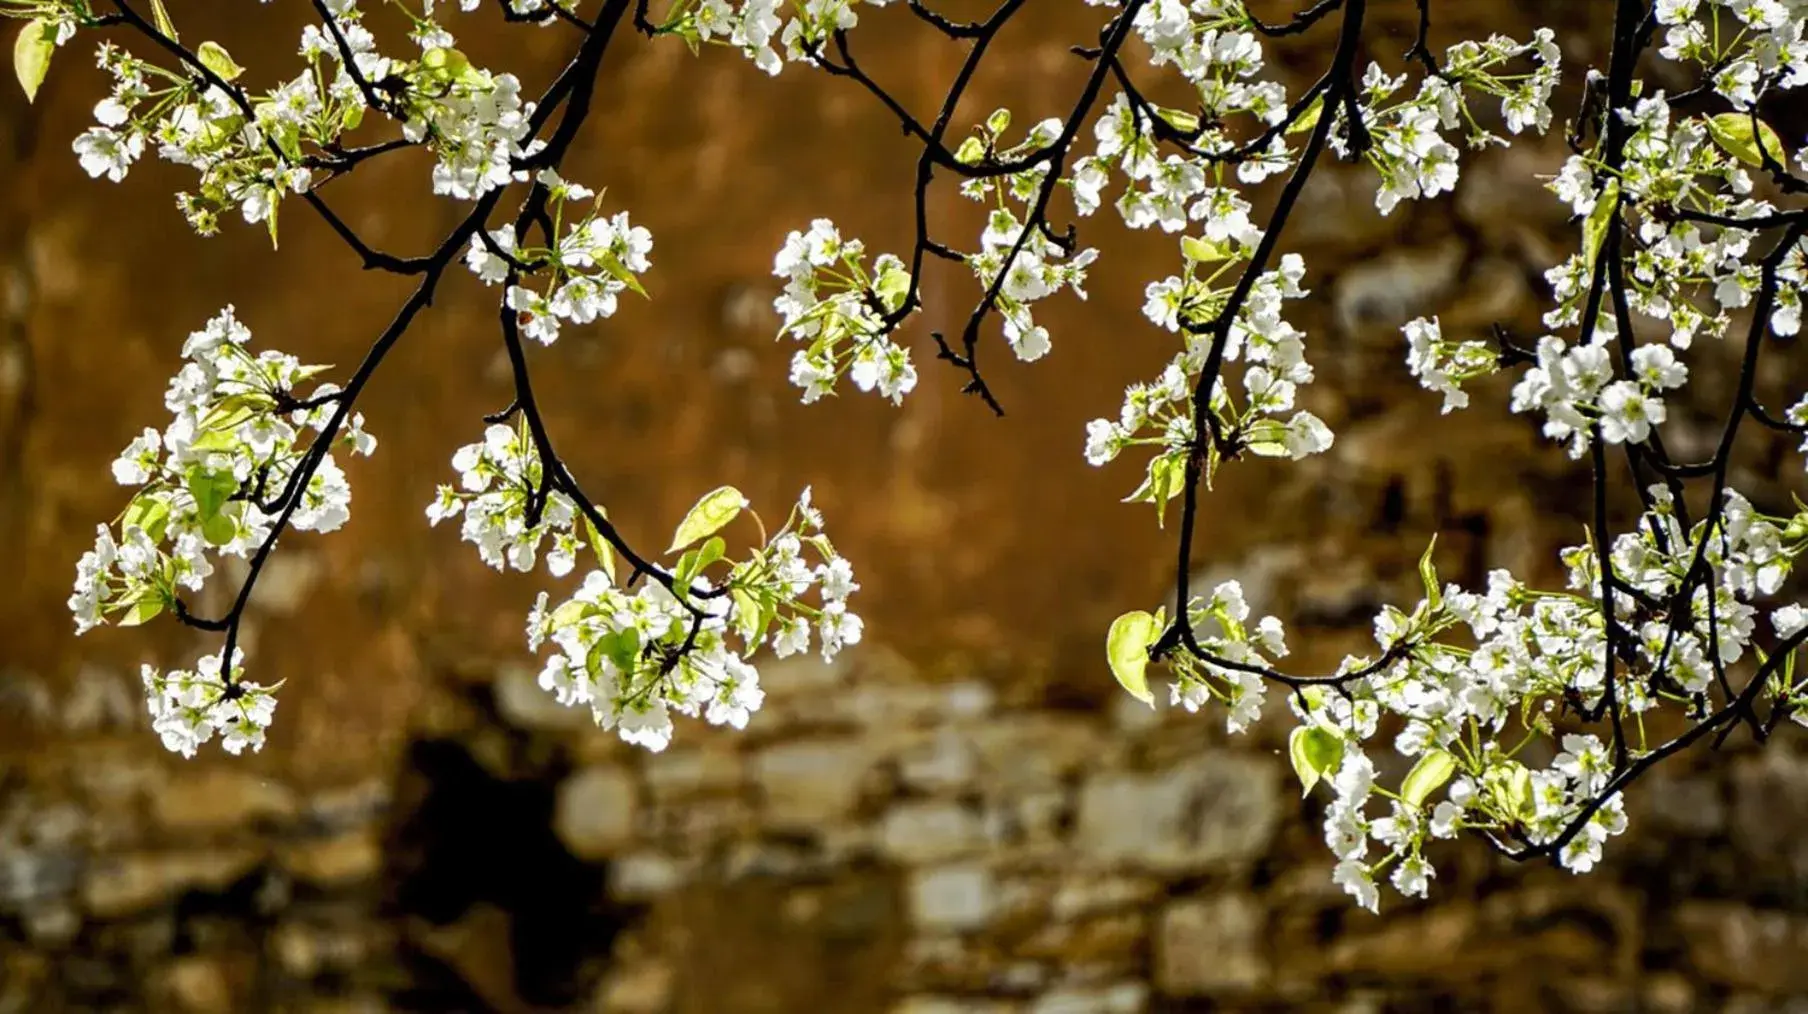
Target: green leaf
[(149, 514), (697, 560), (892, 287), (621, 274), (605, 554), (1733, 133), (685, 571), (214, 440), (569, 612), (1519, 789), (1127, 649), (747, 615), (229, 413), (211, 490), (717, 508), (141, 611), (620, 647), (1428, 574), (1165, 479), (1594, 229), (1427, 776), (214, 57), (1308, 117), (162, 19), (1315, 752), (998, 121), (1179, 119), (445, 62), (712, 551), (970, 151), (32, 51), (219, 530), (1204, 251), (1266, 438)]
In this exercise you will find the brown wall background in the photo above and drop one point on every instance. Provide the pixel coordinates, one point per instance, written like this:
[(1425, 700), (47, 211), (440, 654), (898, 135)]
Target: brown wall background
[(964, 817)]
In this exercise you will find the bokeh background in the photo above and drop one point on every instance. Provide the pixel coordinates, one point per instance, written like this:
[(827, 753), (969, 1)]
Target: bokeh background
[(964, 815)]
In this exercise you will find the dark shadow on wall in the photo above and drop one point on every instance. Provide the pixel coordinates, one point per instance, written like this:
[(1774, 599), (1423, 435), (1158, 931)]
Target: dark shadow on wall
[(495, 913)]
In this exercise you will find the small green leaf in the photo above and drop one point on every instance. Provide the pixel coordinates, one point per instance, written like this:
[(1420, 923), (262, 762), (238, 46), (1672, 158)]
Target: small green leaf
[(1519, 789), (1315, 752), (717, 508), (1179, 119), (214, 57), (712, 551), (211, 490), (445, 62), (162, 19), (685, 571), (569, 612), (1427, 776), (1204, 251), (1308, 117), (621, 647), (149, 514), (1428, 575), (747, 615), (32, 51), (1594, 229), (998, 121), (219, 530), (1127, 649), (970, 151), (230, 413), (1165, 480), (1733, 133), (1266, 438), (892, 287), (605, 554), (141, 611), (214, 440)]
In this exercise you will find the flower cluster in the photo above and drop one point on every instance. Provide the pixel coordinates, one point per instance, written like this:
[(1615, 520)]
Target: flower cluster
[(1682, 275), (1442, 366), (1575, 389), (759, 27), (1233, 656), (1408, 144), (509, 509), (252, 149), (246, 152), (475, 121), (845, 312), (1748, 45), (1022, 265), (593, 264), (1465, 673), (637, 657), (217, 477), (1161, 414), (189, 707)]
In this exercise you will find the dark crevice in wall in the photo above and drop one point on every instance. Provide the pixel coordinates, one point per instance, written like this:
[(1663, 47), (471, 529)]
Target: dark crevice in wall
[(495, 913)]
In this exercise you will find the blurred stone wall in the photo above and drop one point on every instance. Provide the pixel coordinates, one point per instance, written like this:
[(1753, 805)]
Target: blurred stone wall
[(966, 816)]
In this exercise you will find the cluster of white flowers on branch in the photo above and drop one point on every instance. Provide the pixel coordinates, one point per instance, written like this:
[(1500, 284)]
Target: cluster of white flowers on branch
[(1518, 714)]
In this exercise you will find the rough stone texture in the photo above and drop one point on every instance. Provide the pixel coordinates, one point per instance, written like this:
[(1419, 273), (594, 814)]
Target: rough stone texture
[(962, 817)]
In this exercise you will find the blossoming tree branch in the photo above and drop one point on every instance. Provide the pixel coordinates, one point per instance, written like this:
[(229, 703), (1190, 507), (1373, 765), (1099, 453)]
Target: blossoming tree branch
[(1522, 713)]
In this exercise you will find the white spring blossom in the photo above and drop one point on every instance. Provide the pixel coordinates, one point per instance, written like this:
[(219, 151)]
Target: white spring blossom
[(1518, 710)]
